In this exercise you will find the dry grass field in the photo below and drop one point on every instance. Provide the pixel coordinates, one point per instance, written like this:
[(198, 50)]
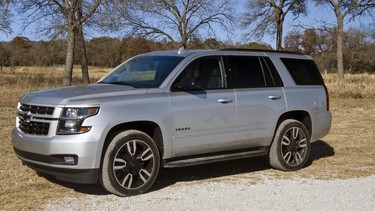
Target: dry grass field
[(347, 152)]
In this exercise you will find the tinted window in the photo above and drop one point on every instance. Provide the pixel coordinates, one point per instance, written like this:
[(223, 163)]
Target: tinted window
[(251, 72), (207, 73), (303, 72)]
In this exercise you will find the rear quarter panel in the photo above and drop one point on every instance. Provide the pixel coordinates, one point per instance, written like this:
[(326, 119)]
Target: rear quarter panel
[(309, 98)]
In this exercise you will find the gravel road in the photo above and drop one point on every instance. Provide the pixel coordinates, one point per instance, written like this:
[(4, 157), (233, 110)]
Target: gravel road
[(230, 193)]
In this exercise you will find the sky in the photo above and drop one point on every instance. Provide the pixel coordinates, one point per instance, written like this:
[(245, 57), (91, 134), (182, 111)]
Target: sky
[(314, 17)]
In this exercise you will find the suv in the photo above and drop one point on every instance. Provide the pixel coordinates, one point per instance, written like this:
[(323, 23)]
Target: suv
[(172, 109)]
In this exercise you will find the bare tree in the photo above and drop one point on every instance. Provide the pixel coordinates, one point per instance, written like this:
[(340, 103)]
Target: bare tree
[(293, 40), (268, 16), (5, 16), (311, 41), (82, 44), (349, 9), (62, 16), (176, 20)]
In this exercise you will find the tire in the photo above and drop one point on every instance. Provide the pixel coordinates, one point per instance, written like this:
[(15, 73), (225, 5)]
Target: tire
[(130, 164), (290, 148)]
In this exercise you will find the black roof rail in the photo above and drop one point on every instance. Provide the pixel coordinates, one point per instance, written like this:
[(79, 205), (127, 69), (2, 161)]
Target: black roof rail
[(260, 50)]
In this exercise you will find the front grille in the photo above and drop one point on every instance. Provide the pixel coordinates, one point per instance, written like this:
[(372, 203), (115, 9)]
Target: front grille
[(35, 128), (44, 110), (34, 119)]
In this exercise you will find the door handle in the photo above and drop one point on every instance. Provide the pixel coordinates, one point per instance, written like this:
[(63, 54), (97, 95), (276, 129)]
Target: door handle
[(225, 100), (274, 97)]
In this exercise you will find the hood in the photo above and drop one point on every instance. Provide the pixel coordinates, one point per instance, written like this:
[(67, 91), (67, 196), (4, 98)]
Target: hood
[(85, 94)]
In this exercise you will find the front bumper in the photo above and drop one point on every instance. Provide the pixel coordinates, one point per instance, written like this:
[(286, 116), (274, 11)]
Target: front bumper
[(82, 176), (46, 155)]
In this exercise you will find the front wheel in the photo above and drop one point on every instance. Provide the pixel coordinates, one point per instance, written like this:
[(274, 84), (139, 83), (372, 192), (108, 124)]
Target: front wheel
[(131, 163), (290, 148)]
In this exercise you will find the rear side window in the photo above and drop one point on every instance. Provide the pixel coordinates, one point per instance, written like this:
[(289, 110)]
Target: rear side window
[(303, 72), (251, 72)]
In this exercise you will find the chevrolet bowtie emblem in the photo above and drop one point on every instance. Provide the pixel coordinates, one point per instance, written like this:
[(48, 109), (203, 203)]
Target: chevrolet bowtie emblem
[(27, 116)]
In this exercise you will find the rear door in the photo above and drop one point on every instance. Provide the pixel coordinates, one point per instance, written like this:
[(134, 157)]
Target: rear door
[(260, 98)]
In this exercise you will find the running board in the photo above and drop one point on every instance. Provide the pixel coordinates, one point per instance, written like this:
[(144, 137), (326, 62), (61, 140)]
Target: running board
[(203, 159)]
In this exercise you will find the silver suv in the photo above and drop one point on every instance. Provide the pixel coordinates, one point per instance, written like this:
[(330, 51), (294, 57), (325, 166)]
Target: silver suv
[(172, 109)]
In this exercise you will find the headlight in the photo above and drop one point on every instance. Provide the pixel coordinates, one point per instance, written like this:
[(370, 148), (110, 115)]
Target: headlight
[(72, 118)]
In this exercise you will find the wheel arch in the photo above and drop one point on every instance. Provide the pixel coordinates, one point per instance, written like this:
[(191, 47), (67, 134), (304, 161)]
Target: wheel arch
[(152, 129), (300, 115)]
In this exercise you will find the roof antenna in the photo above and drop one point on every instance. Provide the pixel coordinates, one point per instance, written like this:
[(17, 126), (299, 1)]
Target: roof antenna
[(182, 49)]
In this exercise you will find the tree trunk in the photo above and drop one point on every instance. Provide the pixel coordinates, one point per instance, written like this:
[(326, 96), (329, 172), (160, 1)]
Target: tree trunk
[(340, 57), (184, 41), (279, 36), (82, 44), (279, 27), (68, 71), (83, 54)]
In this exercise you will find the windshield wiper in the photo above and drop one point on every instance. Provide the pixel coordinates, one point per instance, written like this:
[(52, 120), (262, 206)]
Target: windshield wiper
[(117, 83)]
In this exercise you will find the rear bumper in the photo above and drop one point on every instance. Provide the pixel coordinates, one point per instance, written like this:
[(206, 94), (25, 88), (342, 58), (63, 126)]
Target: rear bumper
[(322, 125)]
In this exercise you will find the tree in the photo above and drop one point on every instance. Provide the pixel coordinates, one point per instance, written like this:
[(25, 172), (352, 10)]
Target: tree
[(104, 52), (176, 20), (255, 45), (293, 41), (42, 53), (5, 55), (63, 16), (22, 51), (356, 50), (82, 44), (213, 43), (268, 16), (346, 9), (5, 16), (318, 41)]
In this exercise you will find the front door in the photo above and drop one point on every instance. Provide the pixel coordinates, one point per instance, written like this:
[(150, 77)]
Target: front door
[(203, 115)]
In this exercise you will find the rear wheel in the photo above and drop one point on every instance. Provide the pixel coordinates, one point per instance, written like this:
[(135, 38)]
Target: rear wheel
[(290, 148), (131, 163)]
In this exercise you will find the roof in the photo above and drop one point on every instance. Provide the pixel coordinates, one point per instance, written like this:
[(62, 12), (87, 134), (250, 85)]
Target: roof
[(187, 52), (260, 50)]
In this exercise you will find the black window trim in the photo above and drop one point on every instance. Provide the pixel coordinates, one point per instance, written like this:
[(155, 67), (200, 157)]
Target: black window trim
[(275, 76)]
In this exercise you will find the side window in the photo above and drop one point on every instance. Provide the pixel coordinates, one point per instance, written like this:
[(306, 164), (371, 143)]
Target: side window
[(251, 72), (303, 72), (203, 73)]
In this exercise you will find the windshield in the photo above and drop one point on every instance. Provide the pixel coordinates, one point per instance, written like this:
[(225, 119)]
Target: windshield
[(143, 71)]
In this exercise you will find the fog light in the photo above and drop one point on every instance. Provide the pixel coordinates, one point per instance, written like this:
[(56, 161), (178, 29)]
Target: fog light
[(68, 160)]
